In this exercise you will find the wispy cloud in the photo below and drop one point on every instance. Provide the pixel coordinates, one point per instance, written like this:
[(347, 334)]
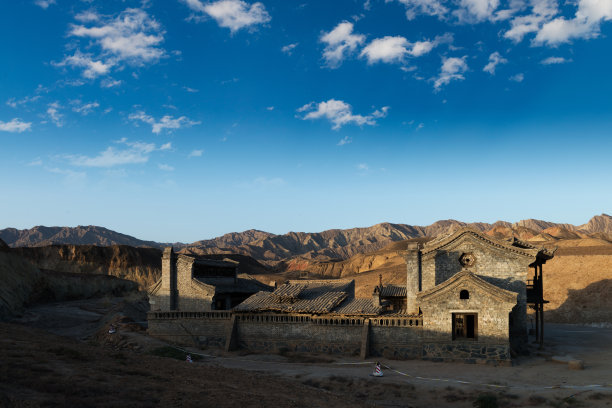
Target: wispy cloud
[(132, 153), (54, 114), (166, 122), (518, 77), (345, 140), (268, 182), (288, 49), (495, 59), (232, 14), (555, 60), (340, 43), (15, 125), (84, 108), (44, 4), (452, 70), (91, 68), (340, 113), (426, 7), (110, 83), (191, 90), (196, 153), (165, 167), (13, 102)]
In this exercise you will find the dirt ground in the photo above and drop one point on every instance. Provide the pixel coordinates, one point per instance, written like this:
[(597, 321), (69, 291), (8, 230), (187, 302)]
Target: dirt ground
[(62, 355)]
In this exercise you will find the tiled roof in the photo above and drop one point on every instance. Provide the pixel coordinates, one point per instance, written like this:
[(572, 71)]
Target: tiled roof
[(317, 296), (393, 291), (358, 307), (268, 302)]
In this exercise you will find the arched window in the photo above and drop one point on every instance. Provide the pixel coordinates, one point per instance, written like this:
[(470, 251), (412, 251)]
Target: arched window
[(464, 294)]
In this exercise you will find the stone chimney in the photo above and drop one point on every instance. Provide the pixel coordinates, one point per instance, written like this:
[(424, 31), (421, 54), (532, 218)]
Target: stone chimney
[(376, 293), (169, 291), (413, 276)]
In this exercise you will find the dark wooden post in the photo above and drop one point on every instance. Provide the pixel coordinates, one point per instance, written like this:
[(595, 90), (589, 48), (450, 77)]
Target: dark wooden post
[(542, 309)]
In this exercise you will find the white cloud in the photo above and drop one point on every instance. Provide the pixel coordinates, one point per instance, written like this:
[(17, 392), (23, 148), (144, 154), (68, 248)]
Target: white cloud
[(494, 60), (473, 11), (134, 153), (190, 90), (131, 37), (91, 68), (555, 60), (196, 153), (518, 77), (166, 122), (44, 4), (340, 43), (363, 167), (165, 167), (110, 83), (54, 114), (387, 49), (166, 146), (426, 7), (87, 16), (394, 49), (585, 24), (288, 49), (232, 14), (16, 125), (552, 30), (13, 103), (344, 140), (340, 113), (452, 69), (86, 108), (270, 108)]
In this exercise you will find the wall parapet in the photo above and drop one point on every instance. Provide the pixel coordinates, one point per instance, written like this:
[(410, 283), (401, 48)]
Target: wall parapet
[(223, 315)]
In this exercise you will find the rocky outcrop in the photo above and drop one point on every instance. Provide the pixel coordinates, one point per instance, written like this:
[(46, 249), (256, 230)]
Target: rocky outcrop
[(141, 265), (24, 284), (600, 223)]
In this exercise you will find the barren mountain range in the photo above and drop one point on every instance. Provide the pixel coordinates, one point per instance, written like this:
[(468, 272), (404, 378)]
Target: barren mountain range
[(334, 244), (578, 279)]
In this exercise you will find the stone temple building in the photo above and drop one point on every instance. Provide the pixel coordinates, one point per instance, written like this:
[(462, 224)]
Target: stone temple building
[(466, 299)]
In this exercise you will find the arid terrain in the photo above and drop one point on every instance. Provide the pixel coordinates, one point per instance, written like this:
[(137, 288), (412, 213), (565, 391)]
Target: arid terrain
[(59, 297), (61, 354)]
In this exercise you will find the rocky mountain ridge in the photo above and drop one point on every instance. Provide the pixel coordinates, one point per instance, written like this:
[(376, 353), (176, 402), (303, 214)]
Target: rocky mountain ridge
[(334, 244)]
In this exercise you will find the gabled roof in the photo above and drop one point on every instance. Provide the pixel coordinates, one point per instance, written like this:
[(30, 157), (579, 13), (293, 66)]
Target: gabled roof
[(461, 278), (515, 246)]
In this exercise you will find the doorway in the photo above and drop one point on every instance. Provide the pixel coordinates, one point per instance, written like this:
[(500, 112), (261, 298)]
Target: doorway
[(465, 326)]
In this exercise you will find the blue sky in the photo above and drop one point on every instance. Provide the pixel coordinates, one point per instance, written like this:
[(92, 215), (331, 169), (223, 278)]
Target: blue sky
[(181, 120)]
